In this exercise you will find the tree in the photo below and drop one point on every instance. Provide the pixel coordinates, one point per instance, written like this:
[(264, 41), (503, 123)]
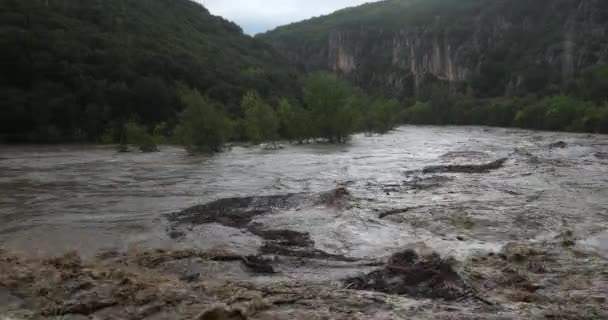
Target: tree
[(332, 103), (138, 135), (202, 126), (381, 116), (260, 122), (295, 122)]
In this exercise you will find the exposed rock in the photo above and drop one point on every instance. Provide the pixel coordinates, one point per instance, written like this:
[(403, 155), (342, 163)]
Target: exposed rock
[(558, 145), (258, 264), (601, 155), (334, 198), (239, 212), (235, 212), (470, 168), (407, 273)]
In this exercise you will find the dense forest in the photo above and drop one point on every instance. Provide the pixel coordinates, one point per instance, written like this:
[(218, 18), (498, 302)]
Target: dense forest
[(152, 71), (160, 71), (76, 70)]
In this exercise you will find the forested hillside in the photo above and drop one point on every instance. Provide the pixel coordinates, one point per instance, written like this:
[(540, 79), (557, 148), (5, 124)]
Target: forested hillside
[(531, 64), (489, 47), (73, 70)]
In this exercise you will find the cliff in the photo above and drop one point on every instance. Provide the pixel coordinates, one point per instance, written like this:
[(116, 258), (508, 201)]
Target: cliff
[(488, 47)]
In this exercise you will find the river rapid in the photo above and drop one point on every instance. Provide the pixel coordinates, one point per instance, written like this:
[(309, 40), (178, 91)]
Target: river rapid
[(56, 199), (422, 223)]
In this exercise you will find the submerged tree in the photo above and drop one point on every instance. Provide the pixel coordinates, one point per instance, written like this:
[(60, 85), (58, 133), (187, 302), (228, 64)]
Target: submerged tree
[(138, 135), (295, 122), (380, 116), (260, 123), (332, 103), (202, 127)]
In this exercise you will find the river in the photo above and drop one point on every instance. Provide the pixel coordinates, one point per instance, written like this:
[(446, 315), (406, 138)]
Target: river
[(55, 199)]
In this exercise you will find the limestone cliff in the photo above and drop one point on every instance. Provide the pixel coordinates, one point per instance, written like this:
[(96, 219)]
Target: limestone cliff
[(493, 47)]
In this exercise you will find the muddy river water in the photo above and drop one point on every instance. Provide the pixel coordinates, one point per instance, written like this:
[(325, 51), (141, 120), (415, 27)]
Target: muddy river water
[(422, 223), (60, 198)]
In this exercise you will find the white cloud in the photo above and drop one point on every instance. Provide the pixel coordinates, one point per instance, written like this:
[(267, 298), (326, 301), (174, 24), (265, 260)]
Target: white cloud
[(261, 15)]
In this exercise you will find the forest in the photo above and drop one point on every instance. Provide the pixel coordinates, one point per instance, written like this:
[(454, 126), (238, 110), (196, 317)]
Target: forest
[(162, 71)]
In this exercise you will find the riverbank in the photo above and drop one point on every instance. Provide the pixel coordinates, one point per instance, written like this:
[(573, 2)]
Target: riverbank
[(550, 280)]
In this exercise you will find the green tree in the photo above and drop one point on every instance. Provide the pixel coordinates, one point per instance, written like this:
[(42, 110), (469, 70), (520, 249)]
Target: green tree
[(381, 116), (333, 106), (295, 122), (260, 122), (138, 135), (202, 126)]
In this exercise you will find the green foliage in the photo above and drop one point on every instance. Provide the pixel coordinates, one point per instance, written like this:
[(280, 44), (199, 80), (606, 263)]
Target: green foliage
[(138, 135), (76, 70), (332, 104), (202, 127), (295, 122), (548, 113), (592, 84), (260, 122), (381, 116)]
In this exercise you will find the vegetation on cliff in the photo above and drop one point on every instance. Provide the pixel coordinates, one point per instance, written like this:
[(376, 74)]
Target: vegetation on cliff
[(470, 62), (488, 48)]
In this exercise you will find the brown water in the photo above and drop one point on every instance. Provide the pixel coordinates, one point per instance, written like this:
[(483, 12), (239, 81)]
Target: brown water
[(59, 198)]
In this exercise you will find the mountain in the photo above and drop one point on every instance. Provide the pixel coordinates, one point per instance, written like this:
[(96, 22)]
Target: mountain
[(489, 48), (73, 69)]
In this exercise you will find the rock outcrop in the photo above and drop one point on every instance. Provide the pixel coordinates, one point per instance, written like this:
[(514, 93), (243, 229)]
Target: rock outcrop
[(492, 47)]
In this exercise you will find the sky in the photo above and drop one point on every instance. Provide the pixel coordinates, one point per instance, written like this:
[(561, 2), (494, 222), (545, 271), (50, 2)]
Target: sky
[(256, 16)]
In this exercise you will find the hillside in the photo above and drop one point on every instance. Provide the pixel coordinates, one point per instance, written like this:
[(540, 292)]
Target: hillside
[(72, 70), (487, 47)]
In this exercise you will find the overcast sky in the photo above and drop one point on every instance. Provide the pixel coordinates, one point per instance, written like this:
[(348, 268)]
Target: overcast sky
[(261, 15)]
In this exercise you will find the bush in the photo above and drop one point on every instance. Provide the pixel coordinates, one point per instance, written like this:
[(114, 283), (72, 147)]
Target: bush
[(260, 122), (380, 116), (138, 135), (202, 126), (332, 103), (295, 122)]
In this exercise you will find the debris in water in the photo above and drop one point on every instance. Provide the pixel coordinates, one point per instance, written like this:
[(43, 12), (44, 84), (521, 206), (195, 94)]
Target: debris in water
[(408, 273), (258, 264), (235, 212), (470, 168), (558, 145), (601, 155), (222, 313)]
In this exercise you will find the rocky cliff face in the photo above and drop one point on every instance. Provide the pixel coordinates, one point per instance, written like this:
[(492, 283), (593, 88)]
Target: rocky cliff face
[(494, 47)]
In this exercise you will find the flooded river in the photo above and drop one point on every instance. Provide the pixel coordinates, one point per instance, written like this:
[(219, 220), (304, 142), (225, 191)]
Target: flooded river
[(422, 223), (55, 199)]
